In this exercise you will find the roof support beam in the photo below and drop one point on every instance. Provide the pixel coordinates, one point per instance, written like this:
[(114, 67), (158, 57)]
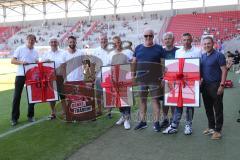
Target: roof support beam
[(89, 7), (23, 12), (32, 6), (79, 1), (44, 9), (66, 8), (142, 2), (56, 5), (115, 5)]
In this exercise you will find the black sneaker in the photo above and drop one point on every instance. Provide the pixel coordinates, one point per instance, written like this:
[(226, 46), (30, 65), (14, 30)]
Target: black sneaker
[(156, 127), (14, 122), (51, 117), (164, 123), (109, 115), (141, 125), (31, 119)]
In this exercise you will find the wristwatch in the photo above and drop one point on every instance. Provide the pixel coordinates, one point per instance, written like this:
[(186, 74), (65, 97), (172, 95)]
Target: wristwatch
[(222, 84)]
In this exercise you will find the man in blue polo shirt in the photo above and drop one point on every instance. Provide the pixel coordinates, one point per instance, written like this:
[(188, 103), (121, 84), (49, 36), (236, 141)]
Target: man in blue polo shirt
[(147, 58), (213, 73)]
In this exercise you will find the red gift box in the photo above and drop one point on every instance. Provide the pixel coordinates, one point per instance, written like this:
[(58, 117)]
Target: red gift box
[(117, 86), (41, 82), (182, 78)]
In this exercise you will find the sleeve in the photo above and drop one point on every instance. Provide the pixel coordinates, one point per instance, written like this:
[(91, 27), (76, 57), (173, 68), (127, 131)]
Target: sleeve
[(44, 57), (162, 55), (36, 56), (135, 51), (199, 53), (221, 60), (109, 58), (16, 53), (64, 57), (129, 55), (177, 53)]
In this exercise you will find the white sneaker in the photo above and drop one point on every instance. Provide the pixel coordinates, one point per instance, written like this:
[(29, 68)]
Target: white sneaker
[(237, 72), (127, 124), (120, 121), (170, 130), (188, 130)]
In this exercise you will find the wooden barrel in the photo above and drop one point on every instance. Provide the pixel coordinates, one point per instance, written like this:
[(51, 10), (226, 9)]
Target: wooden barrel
[(80, 101)]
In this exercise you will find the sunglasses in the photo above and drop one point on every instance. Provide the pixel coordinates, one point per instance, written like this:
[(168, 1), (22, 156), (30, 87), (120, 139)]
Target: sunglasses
[(150, 36)]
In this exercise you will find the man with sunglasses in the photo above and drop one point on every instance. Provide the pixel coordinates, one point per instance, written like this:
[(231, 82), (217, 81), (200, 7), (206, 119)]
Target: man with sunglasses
[(147, 67), (59, 57)]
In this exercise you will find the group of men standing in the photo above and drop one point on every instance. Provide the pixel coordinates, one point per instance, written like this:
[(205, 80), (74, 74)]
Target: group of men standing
[(213, 76)]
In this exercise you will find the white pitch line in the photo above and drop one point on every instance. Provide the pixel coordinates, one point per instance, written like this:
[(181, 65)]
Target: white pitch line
[(22, 127)]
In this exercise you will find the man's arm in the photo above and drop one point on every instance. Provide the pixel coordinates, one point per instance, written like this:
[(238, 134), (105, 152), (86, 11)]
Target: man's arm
[(223, 79), (17, 62), (134, 66)]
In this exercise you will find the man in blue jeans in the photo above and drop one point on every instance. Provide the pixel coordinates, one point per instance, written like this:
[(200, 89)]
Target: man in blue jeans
[(169, 53), (187, 51)]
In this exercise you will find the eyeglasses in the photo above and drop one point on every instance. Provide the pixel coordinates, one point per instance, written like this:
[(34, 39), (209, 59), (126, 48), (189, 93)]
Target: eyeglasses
[(150, 36)]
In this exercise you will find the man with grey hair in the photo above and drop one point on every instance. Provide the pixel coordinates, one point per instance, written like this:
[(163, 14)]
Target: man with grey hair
[(101, 53), (147, 66), (59, 57), (169, 53)]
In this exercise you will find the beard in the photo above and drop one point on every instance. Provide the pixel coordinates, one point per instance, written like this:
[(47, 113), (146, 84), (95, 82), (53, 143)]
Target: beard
[(72, 47)]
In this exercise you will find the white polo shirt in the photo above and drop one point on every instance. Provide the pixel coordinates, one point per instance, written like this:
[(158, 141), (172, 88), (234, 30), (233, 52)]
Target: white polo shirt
[(123, 57), (74, 69), (23, 53), (191, 53), (59, 57), (102, 54)]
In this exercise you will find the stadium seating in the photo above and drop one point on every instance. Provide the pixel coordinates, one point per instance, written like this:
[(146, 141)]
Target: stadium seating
[(219, 24)]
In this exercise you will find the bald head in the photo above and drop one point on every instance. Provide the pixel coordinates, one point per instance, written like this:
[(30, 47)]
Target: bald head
[(148, 37), (148, 30)]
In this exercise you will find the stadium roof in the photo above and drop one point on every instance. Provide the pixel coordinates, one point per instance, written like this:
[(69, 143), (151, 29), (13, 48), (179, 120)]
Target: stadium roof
[(13, 3), (20, 10)]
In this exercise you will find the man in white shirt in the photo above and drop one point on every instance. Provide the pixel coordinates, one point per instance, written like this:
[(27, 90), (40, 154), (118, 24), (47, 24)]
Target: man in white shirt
[(187, 51), (120, 56), (59, 57), (100, 53), (74, 68), (23, 55)]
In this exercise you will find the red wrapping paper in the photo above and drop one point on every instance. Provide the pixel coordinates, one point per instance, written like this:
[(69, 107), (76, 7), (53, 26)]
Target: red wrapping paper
[(40, 79), (116, 87), (182, 80)]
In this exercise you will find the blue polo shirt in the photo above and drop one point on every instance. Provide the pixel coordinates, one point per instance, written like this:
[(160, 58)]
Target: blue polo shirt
[(148, 61), (149, 54), (210, 67), (170, 54)]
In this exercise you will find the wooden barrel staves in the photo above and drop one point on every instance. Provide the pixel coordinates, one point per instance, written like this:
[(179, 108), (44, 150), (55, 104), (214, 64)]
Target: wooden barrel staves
[(80, 101)]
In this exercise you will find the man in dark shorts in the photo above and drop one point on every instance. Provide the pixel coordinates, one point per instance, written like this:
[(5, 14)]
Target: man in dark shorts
[(58, 56), (147, 58)]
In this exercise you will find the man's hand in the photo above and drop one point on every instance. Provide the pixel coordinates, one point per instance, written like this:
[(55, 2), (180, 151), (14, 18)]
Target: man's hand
[(220, 90), (24, 63)]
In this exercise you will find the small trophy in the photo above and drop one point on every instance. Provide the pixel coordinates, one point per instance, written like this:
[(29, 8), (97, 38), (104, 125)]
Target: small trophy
[(88, 70)]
